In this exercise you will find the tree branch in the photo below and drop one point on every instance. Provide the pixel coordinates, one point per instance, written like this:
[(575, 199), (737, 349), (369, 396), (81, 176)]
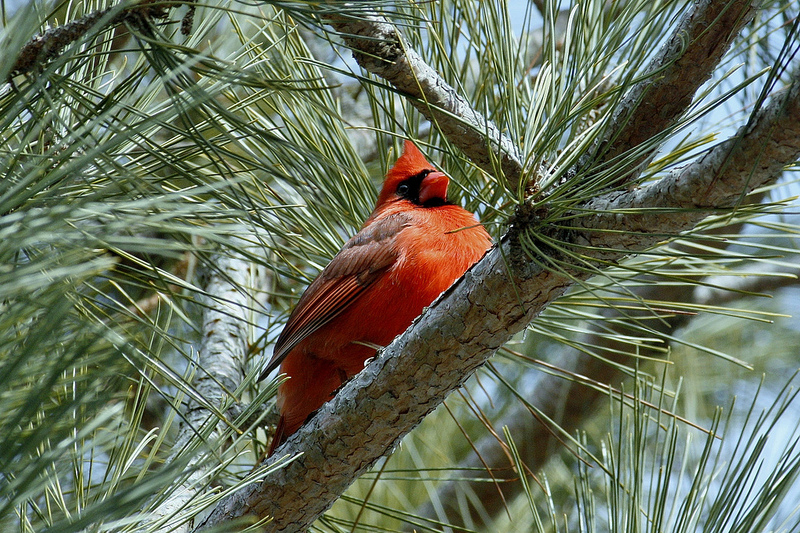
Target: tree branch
[(684, 63), (47, 46), (380, 49), (568, 403), (715, 182), (220, 362), (494, 300)]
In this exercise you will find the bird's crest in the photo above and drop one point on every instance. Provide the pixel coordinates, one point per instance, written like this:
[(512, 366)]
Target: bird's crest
[(409, 164)]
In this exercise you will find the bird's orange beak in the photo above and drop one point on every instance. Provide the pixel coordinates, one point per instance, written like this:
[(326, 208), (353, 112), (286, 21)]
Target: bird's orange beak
[(433, 186)]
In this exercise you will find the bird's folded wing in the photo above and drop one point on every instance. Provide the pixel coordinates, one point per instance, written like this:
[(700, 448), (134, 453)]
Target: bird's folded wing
[(360, 263)]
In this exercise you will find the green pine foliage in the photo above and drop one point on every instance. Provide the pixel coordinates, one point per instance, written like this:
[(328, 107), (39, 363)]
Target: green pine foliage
[(134, 156)]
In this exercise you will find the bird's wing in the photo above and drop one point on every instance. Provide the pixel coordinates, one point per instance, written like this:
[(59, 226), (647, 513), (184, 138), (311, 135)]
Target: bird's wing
[(358, 265)]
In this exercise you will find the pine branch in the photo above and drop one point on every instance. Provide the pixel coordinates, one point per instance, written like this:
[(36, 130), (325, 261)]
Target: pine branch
[(494, 300), (685, 62), (715, 182), (49, 45), (569, 403), (221, 360), (379, 48)]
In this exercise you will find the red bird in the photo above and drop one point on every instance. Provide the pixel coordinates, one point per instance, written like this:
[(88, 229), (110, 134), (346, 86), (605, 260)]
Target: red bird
[(412, 247)]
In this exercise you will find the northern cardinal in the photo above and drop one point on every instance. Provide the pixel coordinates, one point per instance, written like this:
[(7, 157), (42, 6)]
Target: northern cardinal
[(412, 247)]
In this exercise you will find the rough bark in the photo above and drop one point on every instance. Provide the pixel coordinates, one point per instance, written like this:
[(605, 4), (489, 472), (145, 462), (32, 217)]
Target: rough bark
[(51, 44), (379, 48), (683, 64), (570, 402), (686, 60), (494, 300), (220, 361), (713, 183)]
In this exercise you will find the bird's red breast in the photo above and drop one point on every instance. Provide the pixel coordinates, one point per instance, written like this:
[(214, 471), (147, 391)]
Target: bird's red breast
[(412, 247)]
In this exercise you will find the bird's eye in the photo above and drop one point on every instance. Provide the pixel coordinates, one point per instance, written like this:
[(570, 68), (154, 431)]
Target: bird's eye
[(402, 189)]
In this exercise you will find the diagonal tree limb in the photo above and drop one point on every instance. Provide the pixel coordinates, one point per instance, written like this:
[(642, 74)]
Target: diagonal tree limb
[(402, 67), (712, 183), (685, 61), (379, 48), (47, 46), (569, 403), (497, 298), (50, 44), (221, 361), (683, 64)]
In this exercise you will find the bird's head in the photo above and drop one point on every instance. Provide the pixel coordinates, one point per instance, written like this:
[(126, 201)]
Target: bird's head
[(414, 179)]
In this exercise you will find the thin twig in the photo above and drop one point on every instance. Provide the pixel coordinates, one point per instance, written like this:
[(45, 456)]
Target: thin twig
[(47, 46)]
